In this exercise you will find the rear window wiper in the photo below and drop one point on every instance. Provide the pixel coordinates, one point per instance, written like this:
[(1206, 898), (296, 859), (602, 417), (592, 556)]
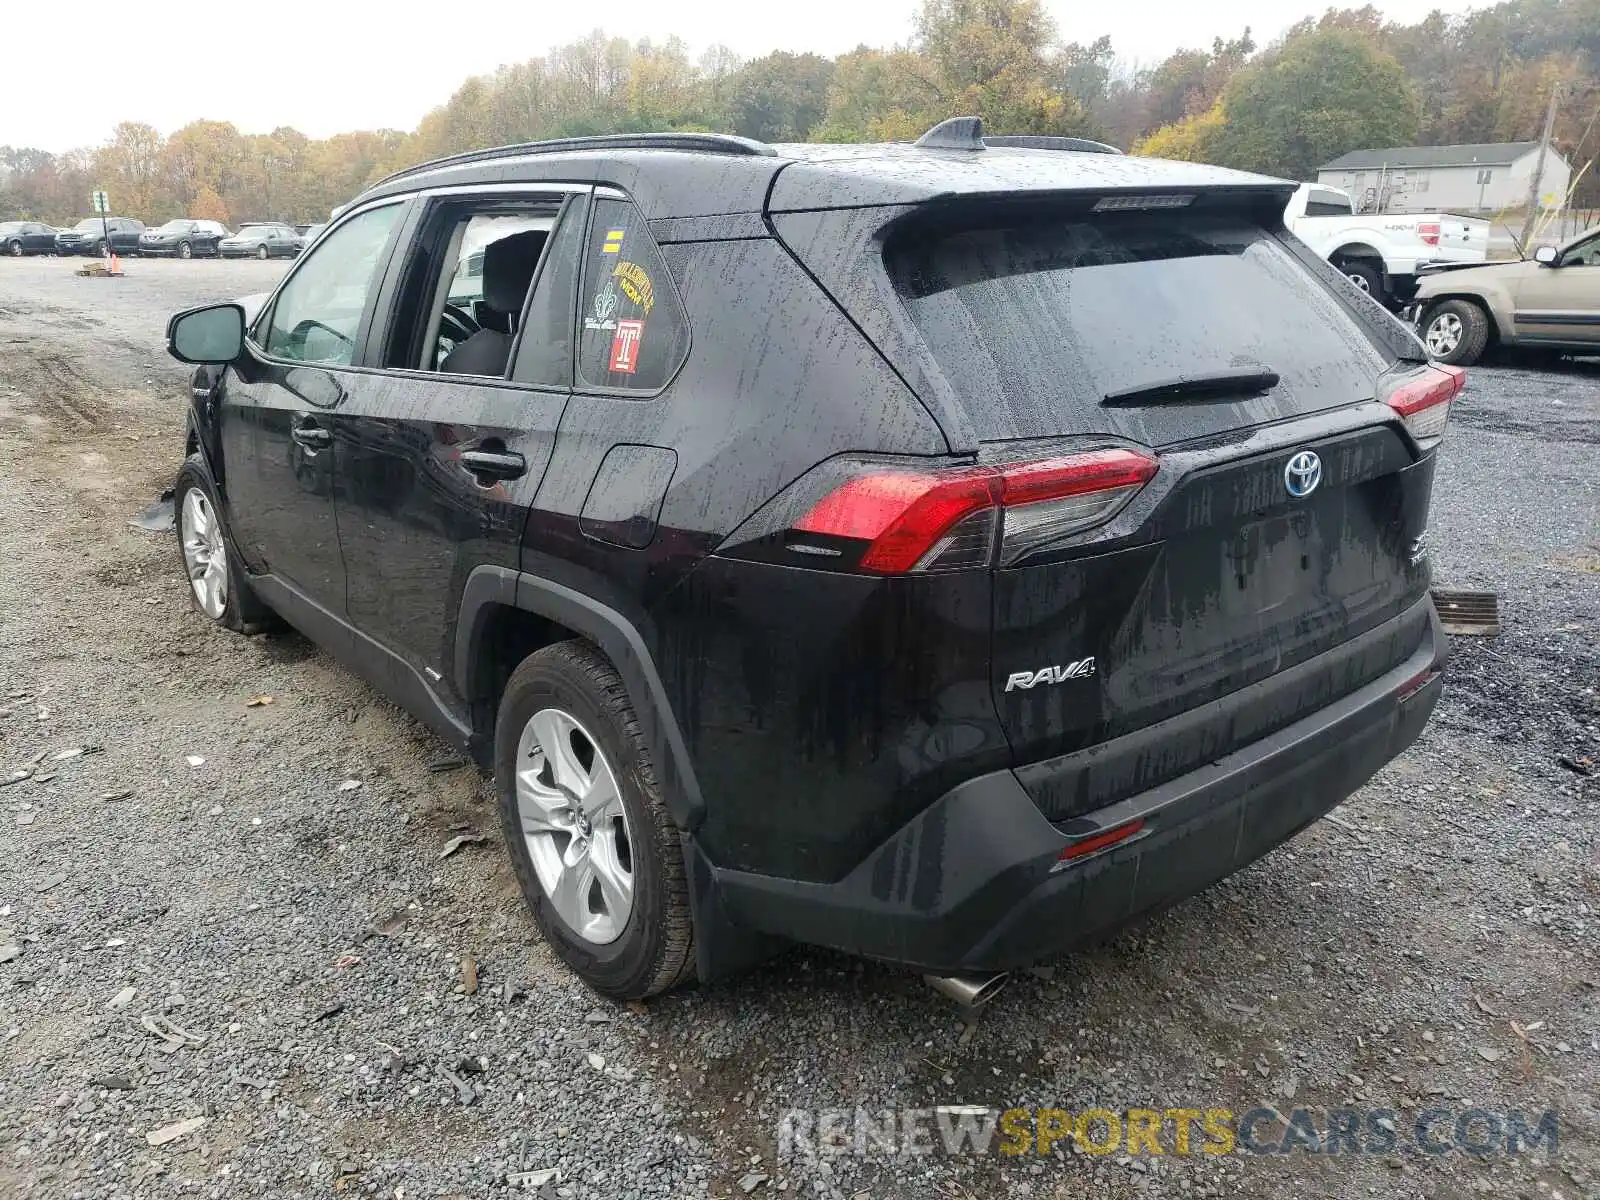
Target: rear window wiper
[(1234, 382)]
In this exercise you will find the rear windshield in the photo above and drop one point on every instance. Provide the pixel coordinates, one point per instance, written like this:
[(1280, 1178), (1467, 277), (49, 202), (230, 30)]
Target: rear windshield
[(1036, 323)]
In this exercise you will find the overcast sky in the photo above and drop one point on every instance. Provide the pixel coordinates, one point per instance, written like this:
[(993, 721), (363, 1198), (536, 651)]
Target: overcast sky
[(362, 64)]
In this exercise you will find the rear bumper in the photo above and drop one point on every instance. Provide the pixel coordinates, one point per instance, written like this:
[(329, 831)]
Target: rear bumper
[(976, 882)]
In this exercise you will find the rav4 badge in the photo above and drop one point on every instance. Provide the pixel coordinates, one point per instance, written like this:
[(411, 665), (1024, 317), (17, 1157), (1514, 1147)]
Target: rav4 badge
[(1028, 679)]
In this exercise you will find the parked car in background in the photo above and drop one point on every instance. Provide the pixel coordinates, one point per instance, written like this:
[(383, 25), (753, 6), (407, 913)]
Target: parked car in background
[(948, 554), (89, 236), (309, 234), (1382, 253), (184, 238), (261, 241), (1548, 302), (27, 237)]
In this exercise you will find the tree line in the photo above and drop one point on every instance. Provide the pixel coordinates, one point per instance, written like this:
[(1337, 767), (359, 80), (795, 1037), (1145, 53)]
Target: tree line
[(1344, 81)]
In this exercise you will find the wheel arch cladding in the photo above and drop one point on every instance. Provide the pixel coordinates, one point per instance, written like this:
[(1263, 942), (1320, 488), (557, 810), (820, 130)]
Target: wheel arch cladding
[(491, 588)]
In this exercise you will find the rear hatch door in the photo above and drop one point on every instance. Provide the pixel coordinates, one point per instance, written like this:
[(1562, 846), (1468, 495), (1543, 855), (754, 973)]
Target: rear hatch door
[(1199, 333)]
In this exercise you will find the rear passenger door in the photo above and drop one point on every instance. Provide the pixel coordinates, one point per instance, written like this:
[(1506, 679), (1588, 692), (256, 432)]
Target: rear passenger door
[(438, 459)]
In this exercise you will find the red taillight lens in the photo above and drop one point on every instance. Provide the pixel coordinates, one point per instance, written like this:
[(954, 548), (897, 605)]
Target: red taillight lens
[(1423, 401), (1095, 843), (946, 520), (1428, 231)]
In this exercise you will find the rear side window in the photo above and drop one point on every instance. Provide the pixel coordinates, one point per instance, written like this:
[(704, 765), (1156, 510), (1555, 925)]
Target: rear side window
[(1037, 323), (632, 332)]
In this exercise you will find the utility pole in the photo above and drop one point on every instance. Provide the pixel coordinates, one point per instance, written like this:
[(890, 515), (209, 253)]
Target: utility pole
[(1538, 169)]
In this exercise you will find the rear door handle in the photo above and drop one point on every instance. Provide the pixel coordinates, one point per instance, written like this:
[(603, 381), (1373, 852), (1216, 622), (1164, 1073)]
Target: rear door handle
[(489, 464), (312, 436)]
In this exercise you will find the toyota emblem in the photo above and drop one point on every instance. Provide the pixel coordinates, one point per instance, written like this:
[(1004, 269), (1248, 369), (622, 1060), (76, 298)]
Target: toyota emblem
[(1302, 474)]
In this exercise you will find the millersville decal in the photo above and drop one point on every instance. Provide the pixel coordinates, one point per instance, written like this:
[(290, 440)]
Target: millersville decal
[(1056, 674), (625, 347), (636, 285)]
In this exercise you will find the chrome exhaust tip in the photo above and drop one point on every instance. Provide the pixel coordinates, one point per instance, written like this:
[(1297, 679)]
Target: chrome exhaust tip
[(969, 991)]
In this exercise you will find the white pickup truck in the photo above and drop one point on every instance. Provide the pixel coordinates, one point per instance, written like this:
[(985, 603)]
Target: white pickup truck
[(1382, 253)]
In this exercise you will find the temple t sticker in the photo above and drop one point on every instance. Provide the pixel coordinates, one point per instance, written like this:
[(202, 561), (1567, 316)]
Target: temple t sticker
[(636, 285), (625, 347)]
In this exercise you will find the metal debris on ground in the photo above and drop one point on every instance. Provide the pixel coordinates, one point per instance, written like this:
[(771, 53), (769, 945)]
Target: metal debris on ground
[(157, 518), (258, 701), (460, 840), (1468, 614)]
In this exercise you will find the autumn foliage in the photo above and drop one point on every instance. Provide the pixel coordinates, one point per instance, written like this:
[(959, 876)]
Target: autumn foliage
[(1343, 81)]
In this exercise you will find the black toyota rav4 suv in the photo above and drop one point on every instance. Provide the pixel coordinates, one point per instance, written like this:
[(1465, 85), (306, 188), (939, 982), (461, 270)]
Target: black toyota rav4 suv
[(940, 552)]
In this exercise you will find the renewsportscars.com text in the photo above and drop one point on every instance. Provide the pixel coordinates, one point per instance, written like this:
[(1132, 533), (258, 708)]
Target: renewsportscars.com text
[(1182, 1132)]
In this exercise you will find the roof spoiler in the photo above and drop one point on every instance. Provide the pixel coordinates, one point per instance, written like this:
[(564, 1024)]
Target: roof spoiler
[(966, 133)]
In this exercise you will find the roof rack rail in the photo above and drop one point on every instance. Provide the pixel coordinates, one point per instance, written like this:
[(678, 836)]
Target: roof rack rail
[(1034, 141), (702, 143)]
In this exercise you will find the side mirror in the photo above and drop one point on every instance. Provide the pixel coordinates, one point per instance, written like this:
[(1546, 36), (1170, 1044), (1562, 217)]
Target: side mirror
[(1545, 256), (213, 334)]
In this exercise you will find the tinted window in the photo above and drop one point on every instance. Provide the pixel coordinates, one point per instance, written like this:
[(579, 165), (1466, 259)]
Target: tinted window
[(1037, 323), (633, 334), (545, 353), (1327, 208), (316, 315)]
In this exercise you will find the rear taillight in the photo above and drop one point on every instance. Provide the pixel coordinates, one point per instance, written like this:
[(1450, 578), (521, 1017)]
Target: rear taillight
[(972, 516), (1428, 231), (1423, 401)]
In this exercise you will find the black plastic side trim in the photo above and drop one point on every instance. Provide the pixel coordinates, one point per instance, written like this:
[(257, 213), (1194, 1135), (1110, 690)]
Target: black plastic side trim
[(617, 638), (371, 660)]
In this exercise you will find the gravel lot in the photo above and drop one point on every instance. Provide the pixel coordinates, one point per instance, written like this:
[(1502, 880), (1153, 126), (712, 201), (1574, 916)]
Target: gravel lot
[(244, 915)]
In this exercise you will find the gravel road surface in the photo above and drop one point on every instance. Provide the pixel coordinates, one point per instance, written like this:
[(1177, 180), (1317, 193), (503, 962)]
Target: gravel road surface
[(236, 959)]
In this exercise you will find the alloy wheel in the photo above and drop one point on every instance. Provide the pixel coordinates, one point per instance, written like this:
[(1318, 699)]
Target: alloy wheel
[(575, 825), (15, 249), (1444, 334), (204, 554), (1360, 281)]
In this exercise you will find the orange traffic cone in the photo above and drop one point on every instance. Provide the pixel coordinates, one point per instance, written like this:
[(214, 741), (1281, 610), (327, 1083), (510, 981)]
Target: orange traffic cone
[(116, 267)]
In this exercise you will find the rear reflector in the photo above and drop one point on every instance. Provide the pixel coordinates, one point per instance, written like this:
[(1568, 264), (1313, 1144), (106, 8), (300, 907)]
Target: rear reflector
[(1428, 231), (975, 516), (1416, 683), (1101, 841), (1423, 401)]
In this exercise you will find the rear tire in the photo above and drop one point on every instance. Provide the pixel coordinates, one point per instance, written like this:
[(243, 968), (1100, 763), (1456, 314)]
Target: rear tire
[(227, 598), (1456, 332), (653, 949), (1365, 276)]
